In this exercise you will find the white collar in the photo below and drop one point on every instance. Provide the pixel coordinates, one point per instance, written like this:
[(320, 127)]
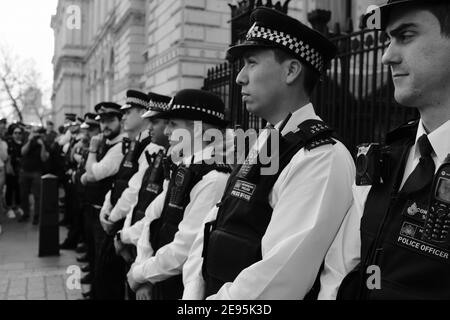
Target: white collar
[(439, 139), (298, 117), (117, 139), (143, 135), (200, 156)]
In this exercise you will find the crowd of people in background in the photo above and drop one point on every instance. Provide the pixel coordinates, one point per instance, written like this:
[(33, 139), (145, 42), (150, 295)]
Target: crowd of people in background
[(27, 152)]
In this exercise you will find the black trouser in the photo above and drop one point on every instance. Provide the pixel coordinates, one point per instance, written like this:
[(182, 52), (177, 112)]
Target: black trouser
[(94, 239), (76, 230), (12, 194), (70, 200), (88, 235), (110, 271), (130, 294), (30, 183), (99, 238)]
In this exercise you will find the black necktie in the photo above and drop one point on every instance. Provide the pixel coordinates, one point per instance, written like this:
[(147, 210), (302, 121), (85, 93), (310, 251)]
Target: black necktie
[(423, 175)]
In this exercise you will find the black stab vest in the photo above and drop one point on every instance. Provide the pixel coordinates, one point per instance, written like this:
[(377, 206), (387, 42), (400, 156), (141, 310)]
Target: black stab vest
[(164, 229), (95, 192), (233, 242), (68, 162), (391, 237), (81, 169), (129, 166), (151, 187)]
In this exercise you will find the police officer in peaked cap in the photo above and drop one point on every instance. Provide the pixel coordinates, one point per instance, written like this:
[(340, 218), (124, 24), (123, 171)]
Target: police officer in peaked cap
[(391, 233), (268, 236)]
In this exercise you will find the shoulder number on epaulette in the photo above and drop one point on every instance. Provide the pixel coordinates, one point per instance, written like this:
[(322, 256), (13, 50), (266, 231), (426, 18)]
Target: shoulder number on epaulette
[(318, 143)]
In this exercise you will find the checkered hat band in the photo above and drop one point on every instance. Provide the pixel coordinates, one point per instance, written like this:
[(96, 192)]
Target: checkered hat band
[(131, 100), (108, 110), (158, 106), (300, 48), (219, 115)]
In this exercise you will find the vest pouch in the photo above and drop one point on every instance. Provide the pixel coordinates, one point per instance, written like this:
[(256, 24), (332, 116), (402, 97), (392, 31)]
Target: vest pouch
[(119, 187), (138, 215), (162, 234), (239, 251)]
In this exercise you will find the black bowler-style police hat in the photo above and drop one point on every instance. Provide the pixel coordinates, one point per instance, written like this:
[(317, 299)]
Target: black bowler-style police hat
[(71, 117), (136, 99), (108, 109), (386, 9), (198, 105), (157, 104), (273, 29), (89, 121)]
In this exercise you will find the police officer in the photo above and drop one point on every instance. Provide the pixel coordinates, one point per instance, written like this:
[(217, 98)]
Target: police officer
[(118, 201), (268, 236), (176, 216), (103, 163), (73, 123), (147, 184), (78, 157), (91, 128), (382, 250), (144, 125)]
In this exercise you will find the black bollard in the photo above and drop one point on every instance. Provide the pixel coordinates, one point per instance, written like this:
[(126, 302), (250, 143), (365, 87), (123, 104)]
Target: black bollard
[(49, 226)]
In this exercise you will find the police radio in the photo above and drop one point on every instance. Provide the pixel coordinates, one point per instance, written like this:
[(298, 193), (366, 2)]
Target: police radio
[(368, 164), (183, 178), (437, 224)]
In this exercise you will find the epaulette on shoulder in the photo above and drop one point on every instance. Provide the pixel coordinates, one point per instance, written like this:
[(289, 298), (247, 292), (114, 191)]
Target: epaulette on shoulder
[(224, 168), (315, 134), (220, 167), (405, 131), (320, 142)]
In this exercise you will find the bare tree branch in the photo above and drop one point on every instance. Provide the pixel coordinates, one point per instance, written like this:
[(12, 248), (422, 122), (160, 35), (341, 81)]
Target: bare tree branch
[(21, 80)]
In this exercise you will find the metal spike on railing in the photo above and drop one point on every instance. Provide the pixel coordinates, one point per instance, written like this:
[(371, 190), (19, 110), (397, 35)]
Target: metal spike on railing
[(286, 6), (269, 4), (278, 6), (337, 29), (349, 26)]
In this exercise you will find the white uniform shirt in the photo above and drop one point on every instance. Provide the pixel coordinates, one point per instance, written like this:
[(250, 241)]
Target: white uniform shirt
[(309, 201), (129, 197), (344, 254), (169, 259), (110, 163)]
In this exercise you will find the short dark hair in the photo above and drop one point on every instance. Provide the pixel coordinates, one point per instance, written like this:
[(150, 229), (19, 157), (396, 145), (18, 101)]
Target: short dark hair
[(310, 76)]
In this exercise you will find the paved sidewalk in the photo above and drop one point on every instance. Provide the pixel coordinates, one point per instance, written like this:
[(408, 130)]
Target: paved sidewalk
[(25, 276)]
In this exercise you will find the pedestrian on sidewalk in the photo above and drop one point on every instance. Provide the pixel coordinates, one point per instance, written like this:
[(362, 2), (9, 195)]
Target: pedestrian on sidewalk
[(34, 154), (12, 194)]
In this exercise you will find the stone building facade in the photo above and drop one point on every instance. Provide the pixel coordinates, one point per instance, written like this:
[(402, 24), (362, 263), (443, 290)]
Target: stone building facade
[(149, 45)]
